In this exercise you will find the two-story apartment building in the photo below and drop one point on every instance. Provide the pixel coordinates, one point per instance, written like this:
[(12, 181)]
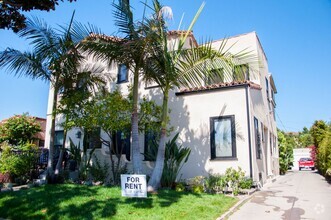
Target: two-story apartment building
[(226, 123)]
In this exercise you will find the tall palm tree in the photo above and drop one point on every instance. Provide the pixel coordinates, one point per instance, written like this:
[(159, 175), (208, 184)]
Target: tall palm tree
[(54, 58), (180, 66), (129, 49)]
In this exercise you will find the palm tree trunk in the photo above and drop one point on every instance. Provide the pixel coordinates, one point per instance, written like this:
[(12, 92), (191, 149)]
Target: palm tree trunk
[(155, 180), (58, 167), (136, 156), (50, 170)]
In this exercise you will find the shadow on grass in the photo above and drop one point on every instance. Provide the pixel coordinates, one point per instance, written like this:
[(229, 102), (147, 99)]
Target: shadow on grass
[(57, 202), (78, 202)]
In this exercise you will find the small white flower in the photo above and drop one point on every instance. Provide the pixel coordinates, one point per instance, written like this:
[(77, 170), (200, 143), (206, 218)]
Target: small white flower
[(319, 208)]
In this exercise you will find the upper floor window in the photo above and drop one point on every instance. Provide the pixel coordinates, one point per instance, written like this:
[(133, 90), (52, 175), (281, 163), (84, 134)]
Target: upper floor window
[(257, 139), (267, 87), (223, 137), (215, 76), (123, 73), (241, 72)]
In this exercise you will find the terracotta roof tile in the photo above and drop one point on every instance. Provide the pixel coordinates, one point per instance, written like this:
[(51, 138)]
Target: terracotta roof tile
[(221, 85), (94, 36)]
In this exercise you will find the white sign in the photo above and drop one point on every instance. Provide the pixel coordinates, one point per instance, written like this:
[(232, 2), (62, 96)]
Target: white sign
[(134, 185)]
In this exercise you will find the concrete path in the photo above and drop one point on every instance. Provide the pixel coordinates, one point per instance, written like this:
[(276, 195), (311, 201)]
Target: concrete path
[(297, 195)]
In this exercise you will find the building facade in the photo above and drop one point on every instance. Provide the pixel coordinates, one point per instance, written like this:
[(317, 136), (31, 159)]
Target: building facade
[(226, 123)]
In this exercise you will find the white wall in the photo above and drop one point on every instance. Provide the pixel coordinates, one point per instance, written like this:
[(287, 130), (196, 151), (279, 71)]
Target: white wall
[(300, 153)]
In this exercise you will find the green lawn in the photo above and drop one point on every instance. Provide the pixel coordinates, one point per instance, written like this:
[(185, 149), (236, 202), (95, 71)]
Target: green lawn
[(84, 202)]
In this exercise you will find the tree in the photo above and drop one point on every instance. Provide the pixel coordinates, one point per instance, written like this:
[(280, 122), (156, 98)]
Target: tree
[(19, 129), (180, 66), (130, 49), (318, 131), (11, 16), (55, 58), (111, 113), (286, 144), (305, 138)]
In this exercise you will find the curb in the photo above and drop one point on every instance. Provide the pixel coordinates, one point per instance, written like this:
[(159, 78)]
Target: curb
[(235, 207)]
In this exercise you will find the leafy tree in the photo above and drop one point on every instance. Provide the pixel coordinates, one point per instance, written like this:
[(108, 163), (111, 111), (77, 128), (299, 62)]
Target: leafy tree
[(111, 113), (318, 131), (11, 16), (179, 66), (55, 57), (285, 145), (305, 138), (19, 129)]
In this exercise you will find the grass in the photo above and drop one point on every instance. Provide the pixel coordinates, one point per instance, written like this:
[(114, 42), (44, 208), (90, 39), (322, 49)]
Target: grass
[(83, 202)]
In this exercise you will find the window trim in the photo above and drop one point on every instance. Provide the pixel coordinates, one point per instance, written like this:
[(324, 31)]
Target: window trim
[(233, 140), (119, 74)]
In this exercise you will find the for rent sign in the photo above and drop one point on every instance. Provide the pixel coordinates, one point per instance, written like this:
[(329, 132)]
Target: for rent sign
[(134, 185)]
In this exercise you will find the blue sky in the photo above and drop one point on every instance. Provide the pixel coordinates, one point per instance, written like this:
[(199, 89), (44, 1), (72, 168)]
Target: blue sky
[(295, 36)]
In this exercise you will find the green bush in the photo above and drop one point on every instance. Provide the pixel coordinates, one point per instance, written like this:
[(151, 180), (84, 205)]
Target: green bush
[(197, 184), (18, 164), (246, 183), (215, 183), (180, 187), (99, 172), (233, 178)]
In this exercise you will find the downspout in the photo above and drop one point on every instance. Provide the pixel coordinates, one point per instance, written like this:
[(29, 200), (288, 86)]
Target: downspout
[(249, 134)]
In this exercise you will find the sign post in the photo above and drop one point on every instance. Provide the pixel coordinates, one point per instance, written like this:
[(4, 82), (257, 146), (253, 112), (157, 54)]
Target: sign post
[(134, 185)]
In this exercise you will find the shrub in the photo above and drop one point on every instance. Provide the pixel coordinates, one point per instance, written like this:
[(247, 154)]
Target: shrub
[(18, 163), (99, 172), (180, 187), (246, 183), (196, 184), (233, 178), (215, 183), (175, 156)]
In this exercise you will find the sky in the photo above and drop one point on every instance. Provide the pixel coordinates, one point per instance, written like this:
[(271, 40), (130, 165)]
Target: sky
[(295, 35)]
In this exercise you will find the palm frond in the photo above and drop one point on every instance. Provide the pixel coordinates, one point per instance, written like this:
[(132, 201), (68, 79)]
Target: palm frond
[(24, 64), (43, 38)]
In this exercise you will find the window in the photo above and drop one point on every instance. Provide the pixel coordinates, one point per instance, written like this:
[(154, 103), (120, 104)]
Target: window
[(257, 139), (121, 141), (58, 143), (122, 75), (223, 137), (267, 87), (92, 138), (270, 140), (241, 72), (151, 145), (214, 76)]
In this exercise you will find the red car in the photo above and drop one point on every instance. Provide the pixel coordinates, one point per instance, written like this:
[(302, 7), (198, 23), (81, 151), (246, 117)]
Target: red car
[(306, 163)]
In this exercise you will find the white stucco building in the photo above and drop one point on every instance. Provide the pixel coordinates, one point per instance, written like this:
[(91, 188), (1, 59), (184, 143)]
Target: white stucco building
[(229, 123)]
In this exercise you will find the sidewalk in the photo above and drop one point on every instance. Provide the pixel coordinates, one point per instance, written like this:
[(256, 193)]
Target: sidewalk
[(297, 195)]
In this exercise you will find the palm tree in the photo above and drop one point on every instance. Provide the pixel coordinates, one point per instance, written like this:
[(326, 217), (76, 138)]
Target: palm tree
[(180, 66), (54, 58), (130, 49)]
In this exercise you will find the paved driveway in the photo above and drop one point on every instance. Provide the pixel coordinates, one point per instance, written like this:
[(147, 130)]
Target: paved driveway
[(297, 195)]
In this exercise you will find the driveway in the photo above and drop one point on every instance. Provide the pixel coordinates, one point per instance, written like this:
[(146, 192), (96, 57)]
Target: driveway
[(297, 195)]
